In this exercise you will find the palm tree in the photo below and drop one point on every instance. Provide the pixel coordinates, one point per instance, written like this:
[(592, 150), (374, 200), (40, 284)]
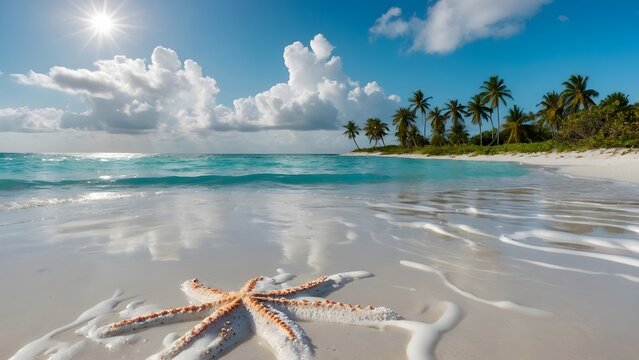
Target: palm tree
[(552, 111), (577, 95), (479, 112), (495, 92), (403, 119), (351, 131), (617, 99), (455, 111), (438, 126), (369, 130), (375, 130), (517, 126), (458, 134), (413, 136), (420, 103), (381, 130)]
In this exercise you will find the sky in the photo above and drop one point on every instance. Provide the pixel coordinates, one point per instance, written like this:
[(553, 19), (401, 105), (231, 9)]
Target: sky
[(267, 76)]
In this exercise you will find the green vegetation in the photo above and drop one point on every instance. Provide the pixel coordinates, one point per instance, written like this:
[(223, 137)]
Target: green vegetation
[(420, 103), (438, 124), (495, 92), (375, 130), (516, 148), (479, 112), (351, 130), (404, 121), (566, 121)]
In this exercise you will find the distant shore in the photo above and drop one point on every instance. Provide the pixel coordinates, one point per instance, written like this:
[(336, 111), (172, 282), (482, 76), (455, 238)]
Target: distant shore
[(610, 164)]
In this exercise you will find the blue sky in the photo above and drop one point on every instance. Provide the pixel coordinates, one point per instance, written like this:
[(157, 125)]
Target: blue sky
[(238, 47)]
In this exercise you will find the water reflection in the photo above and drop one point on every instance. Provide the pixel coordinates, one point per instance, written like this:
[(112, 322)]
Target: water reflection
[(162, 225), (305, 227)]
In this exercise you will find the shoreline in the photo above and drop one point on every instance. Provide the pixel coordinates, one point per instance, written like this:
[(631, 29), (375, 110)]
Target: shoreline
[(604, 164)]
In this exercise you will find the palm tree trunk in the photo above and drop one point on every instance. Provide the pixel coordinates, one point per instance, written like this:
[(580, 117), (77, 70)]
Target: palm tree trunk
[(492, 126), (481, 136), (424, 120), (498, 124), (384, 144), (356, 144)]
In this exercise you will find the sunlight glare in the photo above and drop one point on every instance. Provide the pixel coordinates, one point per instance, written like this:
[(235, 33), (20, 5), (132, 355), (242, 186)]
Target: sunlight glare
[(102, 23)]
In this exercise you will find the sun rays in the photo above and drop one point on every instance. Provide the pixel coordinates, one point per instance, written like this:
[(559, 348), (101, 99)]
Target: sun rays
[(104, 25)]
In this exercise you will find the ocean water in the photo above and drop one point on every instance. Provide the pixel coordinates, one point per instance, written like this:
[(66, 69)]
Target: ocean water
[(24, 172), (534, 260)]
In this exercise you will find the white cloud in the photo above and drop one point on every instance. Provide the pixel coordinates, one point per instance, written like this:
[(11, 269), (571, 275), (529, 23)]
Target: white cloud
[(270, 141), (318, 95), (321, 47), (29, 120), (390, 25), (125, 95), (563, 18), (449, 24)]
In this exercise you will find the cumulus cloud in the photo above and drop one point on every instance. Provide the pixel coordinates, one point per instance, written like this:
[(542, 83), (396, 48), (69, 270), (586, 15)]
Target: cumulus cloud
[(449, 24), (29, 120), (125, 95), (318, 95), (563, 18)]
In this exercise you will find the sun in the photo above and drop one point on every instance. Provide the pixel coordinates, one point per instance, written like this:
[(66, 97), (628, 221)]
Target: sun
[(102, 24)]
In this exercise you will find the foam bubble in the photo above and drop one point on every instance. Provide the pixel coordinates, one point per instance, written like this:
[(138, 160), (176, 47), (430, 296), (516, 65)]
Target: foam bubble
[(582, 271), (559, 236), (61, 350), (82, 198), (436, 229), (418, 208), (606, 257), (502, 304), (424, 337)]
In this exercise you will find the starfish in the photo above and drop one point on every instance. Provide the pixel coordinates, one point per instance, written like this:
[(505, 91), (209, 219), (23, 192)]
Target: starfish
[(258, 307)]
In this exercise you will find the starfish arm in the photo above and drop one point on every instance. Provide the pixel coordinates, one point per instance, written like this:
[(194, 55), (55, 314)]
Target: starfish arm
[(285, 337), (332, 311), (250, 285), (220, 337), (210, 321), (200, 293), (185, 313), (319, 287), (311, 288)]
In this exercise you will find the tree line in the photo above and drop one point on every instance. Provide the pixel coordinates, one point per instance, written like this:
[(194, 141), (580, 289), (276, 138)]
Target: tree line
[(569, 116)]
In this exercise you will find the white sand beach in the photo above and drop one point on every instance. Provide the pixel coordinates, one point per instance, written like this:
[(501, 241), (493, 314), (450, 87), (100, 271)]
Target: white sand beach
[(611, 164)]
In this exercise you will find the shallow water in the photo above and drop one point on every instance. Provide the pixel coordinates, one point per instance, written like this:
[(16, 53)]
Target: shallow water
[(541, 266)]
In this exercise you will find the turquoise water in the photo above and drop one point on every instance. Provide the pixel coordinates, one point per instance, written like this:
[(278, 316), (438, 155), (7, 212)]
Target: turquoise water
[(21, 172)]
